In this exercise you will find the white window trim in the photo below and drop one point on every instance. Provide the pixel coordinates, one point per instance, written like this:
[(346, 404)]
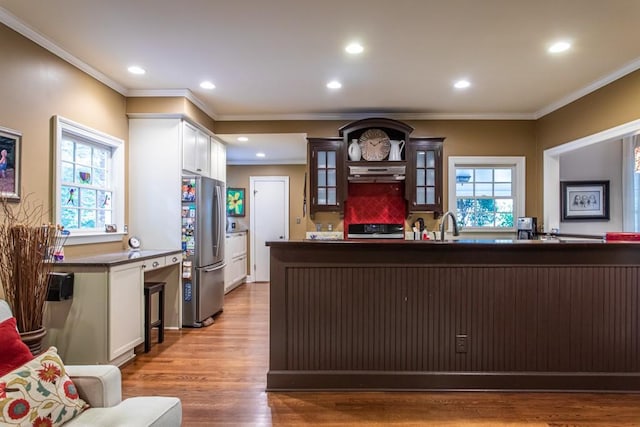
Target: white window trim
[(84, 237), (519, 181)]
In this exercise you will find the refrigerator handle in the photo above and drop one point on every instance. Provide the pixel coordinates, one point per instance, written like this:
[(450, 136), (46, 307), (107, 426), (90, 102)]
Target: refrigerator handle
[(217, 221), (209, 270)]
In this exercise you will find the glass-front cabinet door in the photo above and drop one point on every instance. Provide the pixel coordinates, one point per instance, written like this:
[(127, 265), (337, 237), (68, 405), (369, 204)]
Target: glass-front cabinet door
[(424, 175), (326, 157)]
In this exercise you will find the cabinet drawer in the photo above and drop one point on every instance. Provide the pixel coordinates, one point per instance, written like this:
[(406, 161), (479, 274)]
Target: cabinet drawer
[(153, 263), (172, 259)]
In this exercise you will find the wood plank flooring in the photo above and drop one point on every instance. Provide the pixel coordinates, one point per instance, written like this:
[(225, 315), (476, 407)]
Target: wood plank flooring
[(219, 373)]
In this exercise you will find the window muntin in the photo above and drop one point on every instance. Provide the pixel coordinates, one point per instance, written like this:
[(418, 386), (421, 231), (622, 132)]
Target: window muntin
[(89, 183), (487, 193), (85, 185)]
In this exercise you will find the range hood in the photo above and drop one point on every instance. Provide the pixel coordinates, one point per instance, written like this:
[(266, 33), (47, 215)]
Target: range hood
[(382, 173)]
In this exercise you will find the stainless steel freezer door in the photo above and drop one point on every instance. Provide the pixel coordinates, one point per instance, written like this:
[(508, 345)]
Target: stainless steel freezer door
[(210, 285)]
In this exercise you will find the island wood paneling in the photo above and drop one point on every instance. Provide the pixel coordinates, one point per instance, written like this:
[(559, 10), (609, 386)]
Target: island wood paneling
[(514, 318), (394, 324)]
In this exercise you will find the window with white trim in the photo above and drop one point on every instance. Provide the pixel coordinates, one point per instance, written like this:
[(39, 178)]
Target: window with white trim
[(89, 192), (487, 193)]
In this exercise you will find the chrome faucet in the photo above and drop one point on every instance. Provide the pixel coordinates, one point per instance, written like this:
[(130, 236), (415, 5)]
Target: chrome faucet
[(443, 224)]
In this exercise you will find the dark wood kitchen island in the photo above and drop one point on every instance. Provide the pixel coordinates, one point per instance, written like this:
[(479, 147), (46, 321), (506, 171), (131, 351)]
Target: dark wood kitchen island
[(464, 315)]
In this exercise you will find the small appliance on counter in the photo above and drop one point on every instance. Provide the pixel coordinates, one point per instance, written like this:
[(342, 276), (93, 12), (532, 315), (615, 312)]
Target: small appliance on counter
[(527, 227), (376, 231)]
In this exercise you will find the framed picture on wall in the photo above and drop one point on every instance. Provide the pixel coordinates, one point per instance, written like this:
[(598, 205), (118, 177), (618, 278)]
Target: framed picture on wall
[(584, 200), (10, 141), (235, 201)]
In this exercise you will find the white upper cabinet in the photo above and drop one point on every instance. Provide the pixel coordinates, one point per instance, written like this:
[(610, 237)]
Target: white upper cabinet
[(218, 160), (196, 149)]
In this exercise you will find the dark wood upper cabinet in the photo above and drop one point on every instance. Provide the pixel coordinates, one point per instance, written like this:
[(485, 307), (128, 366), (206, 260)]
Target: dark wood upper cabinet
[(424, 175), (327, 180)]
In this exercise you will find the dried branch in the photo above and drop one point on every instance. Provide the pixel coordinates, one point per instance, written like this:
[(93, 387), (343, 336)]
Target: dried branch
[(25, 262)]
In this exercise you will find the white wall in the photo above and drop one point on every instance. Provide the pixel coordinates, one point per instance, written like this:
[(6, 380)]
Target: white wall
[(596, 162)]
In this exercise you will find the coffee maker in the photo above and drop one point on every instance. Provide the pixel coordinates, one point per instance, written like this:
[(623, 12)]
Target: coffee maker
[(527, 227)]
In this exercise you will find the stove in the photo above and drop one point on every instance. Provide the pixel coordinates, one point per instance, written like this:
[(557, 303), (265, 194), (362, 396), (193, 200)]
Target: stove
[(376, 231)]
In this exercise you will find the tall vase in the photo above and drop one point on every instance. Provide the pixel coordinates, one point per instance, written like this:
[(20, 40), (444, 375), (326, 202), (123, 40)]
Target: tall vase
[(33, 339)]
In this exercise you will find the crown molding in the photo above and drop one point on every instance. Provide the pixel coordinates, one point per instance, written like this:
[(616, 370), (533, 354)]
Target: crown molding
[(358, 116), (186, 93), (627, 69), (18, 26)]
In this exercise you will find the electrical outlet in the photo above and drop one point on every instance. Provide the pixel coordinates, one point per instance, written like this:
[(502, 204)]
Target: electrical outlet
[(297, 220), (461, 343)]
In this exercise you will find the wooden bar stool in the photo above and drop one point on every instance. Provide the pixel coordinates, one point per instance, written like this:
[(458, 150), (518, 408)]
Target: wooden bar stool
[(151, 288)]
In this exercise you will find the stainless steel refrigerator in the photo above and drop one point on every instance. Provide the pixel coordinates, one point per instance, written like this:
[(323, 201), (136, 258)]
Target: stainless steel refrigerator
[(203, 227)]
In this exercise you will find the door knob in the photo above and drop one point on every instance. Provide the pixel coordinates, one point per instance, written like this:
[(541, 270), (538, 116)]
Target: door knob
[(281, 237)]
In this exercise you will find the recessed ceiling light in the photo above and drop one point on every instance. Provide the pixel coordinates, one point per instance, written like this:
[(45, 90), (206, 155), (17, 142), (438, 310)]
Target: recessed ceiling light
[(462, 84), (354, 48), (207, 85), (243, 139), (559, 47), (334, 84), (261, 155), (134, 69)]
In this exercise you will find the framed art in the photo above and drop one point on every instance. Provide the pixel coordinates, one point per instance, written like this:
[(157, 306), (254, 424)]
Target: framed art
[(10, 141), (235, 201), (584, 200)]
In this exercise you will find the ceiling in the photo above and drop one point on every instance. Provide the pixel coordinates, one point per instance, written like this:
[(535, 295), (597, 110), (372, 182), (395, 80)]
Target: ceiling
[(271, 60)]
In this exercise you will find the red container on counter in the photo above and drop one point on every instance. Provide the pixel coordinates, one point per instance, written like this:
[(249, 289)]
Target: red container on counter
[(622, 237)]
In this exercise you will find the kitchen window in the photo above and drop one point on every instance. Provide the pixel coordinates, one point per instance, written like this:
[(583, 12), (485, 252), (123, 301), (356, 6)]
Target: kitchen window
[(89, 177), (487, 193)]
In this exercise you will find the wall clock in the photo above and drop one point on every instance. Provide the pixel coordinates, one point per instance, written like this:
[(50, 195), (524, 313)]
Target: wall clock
[(374, 144)]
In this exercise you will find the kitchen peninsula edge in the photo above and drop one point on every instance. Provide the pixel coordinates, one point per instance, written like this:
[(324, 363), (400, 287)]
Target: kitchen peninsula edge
[(462, 315), (104, 320)]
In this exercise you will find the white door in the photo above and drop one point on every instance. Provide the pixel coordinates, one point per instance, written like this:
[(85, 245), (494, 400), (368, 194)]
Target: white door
[(269, 202)]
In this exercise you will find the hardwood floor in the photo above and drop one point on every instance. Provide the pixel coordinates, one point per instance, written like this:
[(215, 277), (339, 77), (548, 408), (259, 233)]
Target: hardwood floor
[(219, 373)]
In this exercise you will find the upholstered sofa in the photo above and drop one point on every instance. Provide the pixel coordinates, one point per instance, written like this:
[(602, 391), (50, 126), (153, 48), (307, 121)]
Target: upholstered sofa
[(100, 387)]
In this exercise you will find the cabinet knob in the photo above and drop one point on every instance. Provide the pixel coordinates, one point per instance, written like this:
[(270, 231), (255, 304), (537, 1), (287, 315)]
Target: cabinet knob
[(144, 266), (155, 263), (174, 259)]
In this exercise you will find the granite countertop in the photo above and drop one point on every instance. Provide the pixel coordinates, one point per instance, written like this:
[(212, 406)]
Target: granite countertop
[(117, 258)]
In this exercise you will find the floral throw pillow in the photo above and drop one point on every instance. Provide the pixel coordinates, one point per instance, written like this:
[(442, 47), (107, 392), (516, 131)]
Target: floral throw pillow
[(39, 394)]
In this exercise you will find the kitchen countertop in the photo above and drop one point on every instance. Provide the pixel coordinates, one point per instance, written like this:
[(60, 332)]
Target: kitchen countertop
[(445, 242), (116, 258)]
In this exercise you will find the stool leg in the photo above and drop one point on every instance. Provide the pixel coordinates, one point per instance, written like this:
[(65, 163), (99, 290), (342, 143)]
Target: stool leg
[(161, 315), (147, 322)]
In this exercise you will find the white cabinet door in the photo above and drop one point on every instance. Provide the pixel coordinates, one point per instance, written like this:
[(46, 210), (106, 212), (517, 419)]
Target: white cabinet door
[(202, 153), (126, 318), (236, 259), (218, 160), (189, 143)]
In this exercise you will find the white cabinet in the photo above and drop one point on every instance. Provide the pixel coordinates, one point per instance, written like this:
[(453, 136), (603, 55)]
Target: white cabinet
[(235, 272), (158, 154), (126, 308), (218, 160), (104, 321), (196, 150)]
